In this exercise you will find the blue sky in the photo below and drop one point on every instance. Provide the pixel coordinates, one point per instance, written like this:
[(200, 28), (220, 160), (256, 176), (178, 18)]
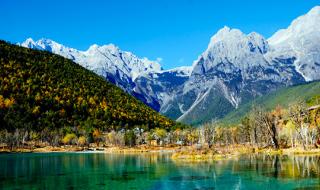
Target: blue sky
[(175, 30)]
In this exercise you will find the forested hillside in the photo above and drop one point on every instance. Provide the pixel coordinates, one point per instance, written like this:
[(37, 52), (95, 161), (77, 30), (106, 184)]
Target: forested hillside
[(43, 91)]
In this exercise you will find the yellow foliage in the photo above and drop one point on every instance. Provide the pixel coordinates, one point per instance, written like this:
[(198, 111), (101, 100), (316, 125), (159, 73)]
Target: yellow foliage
[(161, 133), (79, 99), (8, 102), (36, 110), (103, 105), (37, 97), (234, 131), (288, 130), (68, 138), (96, 133), (290, 125), (92, 101), (82, 140), (1, 102), (57, 98), (318, 121)]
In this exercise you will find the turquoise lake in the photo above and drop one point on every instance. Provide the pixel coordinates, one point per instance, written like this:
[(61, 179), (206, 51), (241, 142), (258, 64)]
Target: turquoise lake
[(155, 171)]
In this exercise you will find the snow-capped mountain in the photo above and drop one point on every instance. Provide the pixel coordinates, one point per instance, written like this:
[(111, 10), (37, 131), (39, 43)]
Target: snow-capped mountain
[(233, 69), (100, 58), (237, 67), (301, 41), (119, 67)]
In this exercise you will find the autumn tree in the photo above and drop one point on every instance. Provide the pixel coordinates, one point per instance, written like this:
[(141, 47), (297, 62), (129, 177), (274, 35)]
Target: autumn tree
[(269, 121), (160, 134), (207, 133), (130, 138), (298, 114)]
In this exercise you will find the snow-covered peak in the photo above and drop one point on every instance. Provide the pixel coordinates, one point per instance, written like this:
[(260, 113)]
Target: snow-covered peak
[(48, 45), (225, 34), (231, 46), (106, 50), (231, 36), (229, 42), (300, 41), (28, 43), (315, 10), (304, 25), (259, 42), (101, 59), (93, 47), (109, 47)]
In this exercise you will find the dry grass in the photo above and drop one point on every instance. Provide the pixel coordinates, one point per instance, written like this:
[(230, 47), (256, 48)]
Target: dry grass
[(301, 151), (233, 151), (215, 153)]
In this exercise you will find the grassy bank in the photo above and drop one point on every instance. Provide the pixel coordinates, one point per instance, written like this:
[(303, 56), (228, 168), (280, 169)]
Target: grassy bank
[(234, 151)]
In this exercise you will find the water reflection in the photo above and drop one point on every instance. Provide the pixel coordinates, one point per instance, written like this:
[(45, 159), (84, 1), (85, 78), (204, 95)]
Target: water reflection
[(282, 167), (155, 171)]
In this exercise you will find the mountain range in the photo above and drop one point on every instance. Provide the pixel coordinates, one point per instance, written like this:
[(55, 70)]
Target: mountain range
[(234, 69)]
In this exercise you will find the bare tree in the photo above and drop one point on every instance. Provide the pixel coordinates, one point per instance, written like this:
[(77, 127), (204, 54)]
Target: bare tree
[(298, 114), (268, 121), (207, 132)]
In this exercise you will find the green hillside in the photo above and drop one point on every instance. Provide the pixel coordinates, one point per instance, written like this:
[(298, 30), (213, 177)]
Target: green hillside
[(283, 97), (40, 90)]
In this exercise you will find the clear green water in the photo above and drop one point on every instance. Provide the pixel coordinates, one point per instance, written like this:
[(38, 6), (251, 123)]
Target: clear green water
[(155, 171)]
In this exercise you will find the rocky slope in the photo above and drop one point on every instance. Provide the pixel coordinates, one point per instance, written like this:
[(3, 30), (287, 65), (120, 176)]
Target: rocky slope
[(236, 68)]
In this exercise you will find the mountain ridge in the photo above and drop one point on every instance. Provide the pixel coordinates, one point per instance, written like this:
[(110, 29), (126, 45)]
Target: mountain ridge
[(234, 68), (237, 67)]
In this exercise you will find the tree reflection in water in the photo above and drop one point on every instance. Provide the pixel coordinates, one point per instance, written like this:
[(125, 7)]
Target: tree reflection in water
[(156, 171), (281, 167)]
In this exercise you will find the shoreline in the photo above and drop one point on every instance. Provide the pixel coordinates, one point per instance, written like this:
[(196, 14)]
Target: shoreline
[(179, 153), (52, 149), (235, 151)]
